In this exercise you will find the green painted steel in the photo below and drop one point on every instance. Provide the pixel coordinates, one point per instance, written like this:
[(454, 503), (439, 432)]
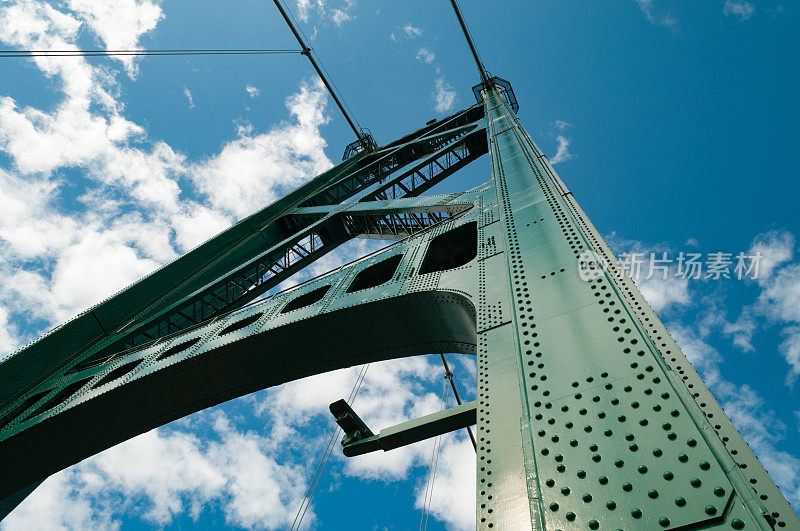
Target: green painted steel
[(582, 380), (588, 414), (361, 441)]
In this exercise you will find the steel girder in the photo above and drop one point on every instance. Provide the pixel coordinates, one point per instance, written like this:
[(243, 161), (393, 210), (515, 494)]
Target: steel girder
[(449, 148), (588, 413), (236, 266)]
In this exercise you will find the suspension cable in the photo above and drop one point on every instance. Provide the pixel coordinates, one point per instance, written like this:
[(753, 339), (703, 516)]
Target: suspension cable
[(110, 53), (449, 375), (326, 455), (324, 69), (434, 464), (481, 69), (307, 52)]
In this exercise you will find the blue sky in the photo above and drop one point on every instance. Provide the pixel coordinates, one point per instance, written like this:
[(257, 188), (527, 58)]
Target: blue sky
[(674, 124)]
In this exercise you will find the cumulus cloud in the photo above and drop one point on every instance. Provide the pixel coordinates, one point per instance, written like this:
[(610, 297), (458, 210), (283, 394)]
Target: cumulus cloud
[(661, 293), (252, 91), (452, 499), (256, 169), (392, 392), (774, 248), (659, 284), (739, 8), (119, 25), (340, 16), (780, 301), (444, 95), (779, 298), (133, 216), (741, 331), (9, 335), (165, 473)]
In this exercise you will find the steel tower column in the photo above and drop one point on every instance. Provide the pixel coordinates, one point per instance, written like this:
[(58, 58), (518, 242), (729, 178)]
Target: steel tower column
[(582, 423)]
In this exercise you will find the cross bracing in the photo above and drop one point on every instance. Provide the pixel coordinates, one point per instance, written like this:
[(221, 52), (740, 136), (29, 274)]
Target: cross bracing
[(588, 414)]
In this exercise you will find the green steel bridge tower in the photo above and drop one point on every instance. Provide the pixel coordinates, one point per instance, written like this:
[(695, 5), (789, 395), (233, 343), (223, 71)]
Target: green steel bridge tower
[(588, 414)]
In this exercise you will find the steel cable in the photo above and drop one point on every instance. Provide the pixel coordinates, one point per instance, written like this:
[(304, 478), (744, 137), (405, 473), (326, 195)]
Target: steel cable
[(437, 445), (323, 462), (322, 64), (113, 53)]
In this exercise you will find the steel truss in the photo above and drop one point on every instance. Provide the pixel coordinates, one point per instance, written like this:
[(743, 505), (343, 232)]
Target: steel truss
[(588, 414)]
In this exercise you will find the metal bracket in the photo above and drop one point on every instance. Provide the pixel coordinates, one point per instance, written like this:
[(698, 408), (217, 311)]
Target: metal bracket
[(364, 143), (360, 440), (504, 87), (353, 427)]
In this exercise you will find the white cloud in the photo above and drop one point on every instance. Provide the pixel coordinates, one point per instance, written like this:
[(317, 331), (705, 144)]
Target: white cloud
[(657, 15), (562, 152), (453, 497), (746, 409), (739, 8), (662, 289), (340, 16), (59, 254), (392, 392), (337, 15), (120, 24), (425, 55), (790, 348), (661, 293), (165, 473), (56, 504), (780, 301), (205, 461), (406, 32), (189, 98), (253, 170), (44, 247), (412, 32), (774, 248), (444, 95), (132, 216), (252, 91), (9, 335), (742, 330)]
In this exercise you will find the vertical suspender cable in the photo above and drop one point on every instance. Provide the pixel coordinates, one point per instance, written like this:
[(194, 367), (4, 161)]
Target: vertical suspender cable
[(326, 455), (449, 375), (437, 446)]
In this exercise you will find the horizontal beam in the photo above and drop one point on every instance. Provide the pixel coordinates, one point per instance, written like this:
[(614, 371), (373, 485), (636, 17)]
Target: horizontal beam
[(433, 425)]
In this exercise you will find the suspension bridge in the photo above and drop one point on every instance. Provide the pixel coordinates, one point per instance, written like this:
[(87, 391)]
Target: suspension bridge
[(587, 416)]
